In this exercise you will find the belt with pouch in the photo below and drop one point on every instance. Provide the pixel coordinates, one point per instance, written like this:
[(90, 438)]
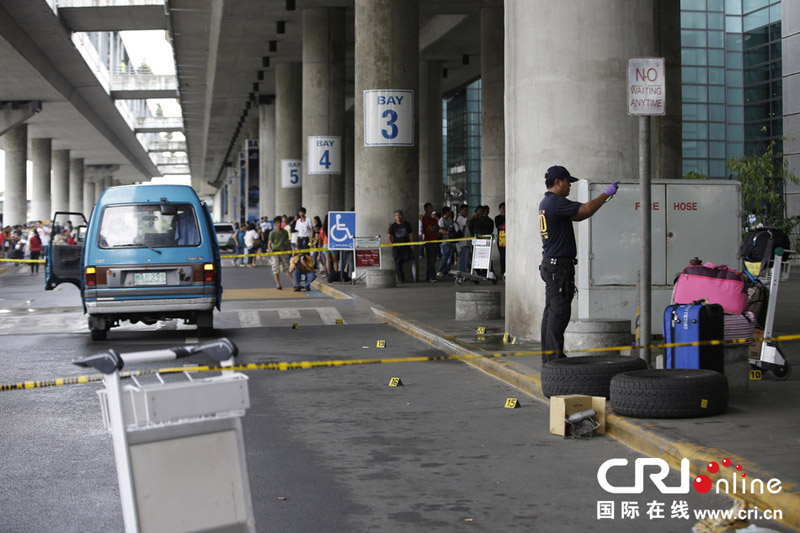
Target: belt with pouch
[(559, 261)]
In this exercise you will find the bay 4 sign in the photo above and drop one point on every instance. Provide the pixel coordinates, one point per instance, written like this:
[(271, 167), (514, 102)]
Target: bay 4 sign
[(739, 482), (646, 86), (389, 117), (325, 155)]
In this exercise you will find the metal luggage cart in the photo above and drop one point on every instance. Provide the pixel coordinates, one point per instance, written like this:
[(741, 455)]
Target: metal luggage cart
[(178, 444), (481, 260), (771, 357)]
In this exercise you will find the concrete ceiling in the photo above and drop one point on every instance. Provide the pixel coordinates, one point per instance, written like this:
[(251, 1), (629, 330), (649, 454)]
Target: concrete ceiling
[(39, 61), (219, 46)]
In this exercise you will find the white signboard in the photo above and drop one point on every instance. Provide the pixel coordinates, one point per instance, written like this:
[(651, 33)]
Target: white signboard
[(646, 86), (291, 173), (324, 155), (389, 118)]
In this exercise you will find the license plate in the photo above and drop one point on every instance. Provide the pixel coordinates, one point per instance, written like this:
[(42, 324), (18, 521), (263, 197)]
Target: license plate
[(150, 278)]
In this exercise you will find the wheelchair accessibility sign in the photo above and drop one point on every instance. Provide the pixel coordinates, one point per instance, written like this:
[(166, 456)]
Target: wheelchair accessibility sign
[(341, 230)]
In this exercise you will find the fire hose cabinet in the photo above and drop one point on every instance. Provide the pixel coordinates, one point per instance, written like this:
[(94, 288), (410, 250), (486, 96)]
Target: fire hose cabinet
[(690, 218), (179, 450)]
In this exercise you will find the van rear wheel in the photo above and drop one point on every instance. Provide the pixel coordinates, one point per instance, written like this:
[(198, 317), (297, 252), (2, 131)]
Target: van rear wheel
[(205, 324), (98, 334)]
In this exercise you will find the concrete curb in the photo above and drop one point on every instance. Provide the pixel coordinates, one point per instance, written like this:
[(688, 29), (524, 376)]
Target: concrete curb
[(634, 433), (330, 290)]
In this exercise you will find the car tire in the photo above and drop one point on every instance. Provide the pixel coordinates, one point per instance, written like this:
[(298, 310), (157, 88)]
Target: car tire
[(669, 393), (589, 374)]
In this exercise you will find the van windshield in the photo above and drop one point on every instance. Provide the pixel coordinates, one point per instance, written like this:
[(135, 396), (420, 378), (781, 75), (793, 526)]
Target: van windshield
[(148, 225)]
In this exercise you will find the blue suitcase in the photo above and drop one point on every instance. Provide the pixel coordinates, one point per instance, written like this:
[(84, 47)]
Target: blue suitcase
[(694, 323)]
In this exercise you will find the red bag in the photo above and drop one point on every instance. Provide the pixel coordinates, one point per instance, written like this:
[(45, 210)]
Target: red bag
[(717, 284)]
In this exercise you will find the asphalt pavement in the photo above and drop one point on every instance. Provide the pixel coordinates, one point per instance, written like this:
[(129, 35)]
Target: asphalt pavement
[(760, 429), (339, 450)]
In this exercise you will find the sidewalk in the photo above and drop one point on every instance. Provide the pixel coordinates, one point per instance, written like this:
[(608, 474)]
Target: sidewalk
[(760, 429)]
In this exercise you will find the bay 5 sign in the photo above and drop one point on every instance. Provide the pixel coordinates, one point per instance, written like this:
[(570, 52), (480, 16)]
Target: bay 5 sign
[(291, 173), (646, 86), (389, 117)]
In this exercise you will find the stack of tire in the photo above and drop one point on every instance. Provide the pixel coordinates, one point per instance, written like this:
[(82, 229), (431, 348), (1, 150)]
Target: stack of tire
[(636, 391)]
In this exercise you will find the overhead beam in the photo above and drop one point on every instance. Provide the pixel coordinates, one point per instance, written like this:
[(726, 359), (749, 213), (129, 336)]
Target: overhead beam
[(113, 15), (15, 113), (158, 125), (143, 86), (155, 147)]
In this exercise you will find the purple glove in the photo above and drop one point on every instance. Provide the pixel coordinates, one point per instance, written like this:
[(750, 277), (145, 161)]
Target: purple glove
[(611, 190)]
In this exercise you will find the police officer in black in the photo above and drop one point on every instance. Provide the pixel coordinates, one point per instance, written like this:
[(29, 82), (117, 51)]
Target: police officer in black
[(556, 215)]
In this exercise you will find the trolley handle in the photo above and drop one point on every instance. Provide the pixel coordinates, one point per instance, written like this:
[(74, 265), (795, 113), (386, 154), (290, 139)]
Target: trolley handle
[(110, 361)]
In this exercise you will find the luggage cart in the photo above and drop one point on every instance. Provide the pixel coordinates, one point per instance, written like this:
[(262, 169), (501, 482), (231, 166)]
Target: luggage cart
[(481, 260), (771, 357), (178, 445)]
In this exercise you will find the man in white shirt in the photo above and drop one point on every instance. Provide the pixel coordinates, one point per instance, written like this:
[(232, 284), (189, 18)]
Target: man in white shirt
[(304, 228), (464, 247)]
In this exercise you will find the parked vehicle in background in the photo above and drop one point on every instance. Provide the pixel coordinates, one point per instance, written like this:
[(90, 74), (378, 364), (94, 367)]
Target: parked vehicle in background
[(150, 253), (225, 231)]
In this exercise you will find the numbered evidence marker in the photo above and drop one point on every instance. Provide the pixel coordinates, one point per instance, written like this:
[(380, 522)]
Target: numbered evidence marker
[(509, 339), (324, 155), (512, 403), (395, 382), (481, 330), (339, 321), (291, 173), (389, 117), (755, 375), (381, 344)]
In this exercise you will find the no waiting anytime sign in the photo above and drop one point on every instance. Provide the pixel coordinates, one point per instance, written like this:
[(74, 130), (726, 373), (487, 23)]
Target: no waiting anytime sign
[(646, 86)]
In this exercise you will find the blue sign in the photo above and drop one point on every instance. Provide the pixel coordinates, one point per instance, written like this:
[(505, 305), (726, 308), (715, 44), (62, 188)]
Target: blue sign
[(341, 230)]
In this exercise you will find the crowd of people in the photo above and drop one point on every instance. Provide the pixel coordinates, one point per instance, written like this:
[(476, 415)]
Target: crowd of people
[(31, 241), (293, 234), (448, 223)]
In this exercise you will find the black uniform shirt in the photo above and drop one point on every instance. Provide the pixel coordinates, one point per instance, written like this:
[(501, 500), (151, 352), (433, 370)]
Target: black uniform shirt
[(555, 226)]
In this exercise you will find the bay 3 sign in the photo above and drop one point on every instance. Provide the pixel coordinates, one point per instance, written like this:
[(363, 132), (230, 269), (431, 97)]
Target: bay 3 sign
[(646, 86)]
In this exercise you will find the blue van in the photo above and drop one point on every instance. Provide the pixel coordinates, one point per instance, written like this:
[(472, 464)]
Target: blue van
[(148, 253)]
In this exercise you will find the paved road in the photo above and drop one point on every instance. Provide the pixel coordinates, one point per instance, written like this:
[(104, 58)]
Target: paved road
[(333, 449)]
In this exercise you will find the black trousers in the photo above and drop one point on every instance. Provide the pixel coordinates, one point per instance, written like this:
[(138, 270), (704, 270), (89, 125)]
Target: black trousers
[(559, 283)]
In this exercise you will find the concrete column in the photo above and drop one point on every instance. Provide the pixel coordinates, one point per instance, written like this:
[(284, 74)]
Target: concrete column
[(59, 187), (15, 199), (76, 186), (233, 191), (349, 161), (99, 185), (431, 182), (565, 106), (288, 131), (387, 177), (323, 102), (266, 159), (41, 153), (88, 197), (790, 42), (493, 142), (667, 148)]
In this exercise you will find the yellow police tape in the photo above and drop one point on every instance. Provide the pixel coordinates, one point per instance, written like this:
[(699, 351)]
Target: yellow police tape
[(304, 365), (389, 245), (307, 250)]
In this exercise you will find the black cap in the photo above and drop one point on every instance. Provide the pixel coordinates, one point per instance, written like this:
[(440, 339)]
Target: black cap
[(557, 172)]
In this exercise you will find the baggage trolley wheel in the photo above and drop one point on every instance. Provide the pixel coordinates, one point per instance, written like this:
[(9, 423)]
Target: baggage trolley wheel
[(782, 371), (459, 281), (476, 281), (494, 281)]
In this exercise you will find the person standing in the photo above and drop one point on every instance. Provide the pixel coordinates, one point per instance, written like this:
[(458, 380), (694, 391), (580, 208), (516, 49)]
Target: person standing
[(464, 248), (238, 245), (305, 229), (400, 231), (34, 248), (447, 230), (559, 252), (250, 238), (430, 232), (500, 225), (279, 242)]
